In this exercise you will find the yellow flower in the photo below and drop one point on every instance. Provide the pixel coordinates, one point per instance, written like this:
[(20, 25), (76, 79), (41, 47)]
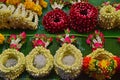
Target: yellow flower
[(38, 9), (29, 5), (43, 3), (13, 2), (32, 6), (92, 65), (104, 64), (2, 38)]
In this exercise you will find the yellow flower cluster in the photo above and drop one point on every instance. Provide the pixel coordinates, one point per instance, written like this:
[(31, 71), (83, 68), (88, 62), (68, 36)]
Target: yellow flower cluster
[(30, 59), (68, 71), (13, 2), (34, 7), (10, 73), (2, 38)]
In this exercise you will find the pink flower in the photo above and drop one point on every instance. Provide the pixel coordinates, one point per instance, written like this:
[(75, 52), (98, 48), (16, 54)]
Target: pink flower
[(88, 41), (38, 43), (37, 35), (118, 7), (97, 32), (98, 45), (72, 37), (14, 46), (23, 35), (13, 36), (50, 39), (90, 36), (67, 40)]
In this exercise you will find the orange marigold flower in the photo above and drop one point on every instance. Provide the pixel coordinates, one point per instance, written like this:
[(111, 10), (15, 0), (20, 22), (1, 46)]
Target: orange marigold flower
[(37, 9), (13, 2), (86, 61), (2, 38), (29, 5), (43, 3)]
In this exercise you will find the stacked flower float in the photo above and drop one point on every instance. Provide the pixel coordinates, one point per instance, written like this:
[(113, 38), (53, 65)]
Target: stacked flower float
[(39, 61), (100, 64), (55, 20), (15, 14), (83, 17), (12, 62), (109, 15), (68, 59)]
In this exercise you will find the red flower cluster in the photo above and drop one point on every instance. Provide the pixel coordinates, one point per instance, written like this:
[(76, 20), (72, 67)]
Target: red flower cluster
[(118, 62), (41, 40), (16, 41), (86, 61), (55, 21), (66, 38), (83, 17), (96, 40)]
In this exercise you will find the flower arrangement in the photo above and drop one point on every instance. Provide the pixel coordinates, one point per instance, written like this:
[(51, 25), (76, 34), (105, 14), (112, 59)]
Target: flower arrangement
[(16, 41), (17, 13), (12, 62), (39, 62), (68, 59), (96, 40), (2, 38), (100, 64), (83, 17)]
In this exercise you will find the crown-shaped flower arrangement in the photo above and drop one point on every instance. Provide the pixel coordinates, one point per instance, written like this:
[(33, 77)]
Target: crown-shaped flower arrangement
[(39, 57), (12, 61), (68, 58), (100, 64)]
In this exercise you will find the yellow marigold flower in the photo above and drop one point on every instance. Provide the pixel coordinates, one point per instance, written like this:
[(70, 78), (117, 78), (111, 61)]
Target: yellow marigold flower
[(104, 64), (13, 2), (43, 3), (38, 9), (92, 65), (29, 5), (2, 38)]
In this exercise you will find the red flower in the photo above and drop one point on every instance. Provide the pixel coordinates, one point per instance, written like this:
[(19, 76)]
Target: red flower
[(38, 43), (118, 62), (86, 61)]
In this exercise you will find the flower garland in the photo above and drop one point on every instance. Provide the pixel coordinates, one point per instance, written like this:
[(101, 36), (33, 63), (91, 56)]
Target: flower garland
[(100, 64), (2, 38), (39, 62)]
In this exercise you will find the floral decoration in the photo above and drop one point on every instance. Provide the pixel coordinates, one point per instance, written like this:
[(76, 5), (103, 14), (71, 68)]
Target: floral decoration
[(41, 40), (2, 38), (66, 38), (16, 41), (96, 40), (103, 68)]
